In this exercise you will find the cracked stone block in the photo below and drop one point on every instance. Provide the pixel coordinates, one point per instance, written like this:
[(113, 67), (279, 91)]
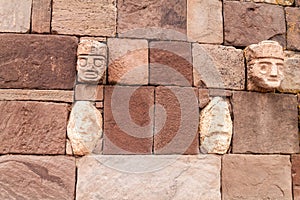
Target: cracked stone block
[(37, 177), (277, 2), (41, 16), (293, 28), (244, 26), (256, 177), (156, 177)]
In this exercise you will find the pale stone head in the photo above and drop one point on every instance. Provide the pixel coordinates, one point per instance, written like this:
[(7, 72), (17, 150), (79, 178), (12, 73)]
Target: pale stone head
[(91, 62), (265, 64)]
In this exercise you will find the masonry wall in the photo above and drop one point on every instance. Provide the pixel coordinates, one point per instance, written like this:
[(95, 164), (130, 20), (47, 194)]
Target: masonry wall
[(178, 120)]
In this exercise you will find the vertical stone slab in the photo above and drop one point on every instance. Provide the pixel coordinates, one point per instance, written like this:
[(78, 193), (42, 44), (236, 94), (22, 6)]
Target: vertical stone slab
[(15, 15), (41, 16), (256, 177), (265, 123), (37, 177), (296, 176), (205, 21), (293, 28)]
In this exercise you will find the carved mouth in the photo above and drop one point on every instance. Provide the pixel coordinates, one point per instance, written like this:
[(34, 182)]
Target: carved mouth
[(90, 75)]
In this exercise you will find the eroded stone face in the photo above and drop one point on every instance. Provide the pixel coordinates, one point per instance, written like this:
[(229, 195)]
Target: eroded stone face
[(264, 65), (91, 62)]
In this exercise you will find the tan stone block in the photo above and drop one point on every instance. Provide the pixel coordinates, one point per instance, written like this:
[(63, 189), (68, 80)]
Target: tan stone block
[(95, 18), (293, 28), (205, 21), (87, 92), (277, 2), (15, 15), (41, 16)]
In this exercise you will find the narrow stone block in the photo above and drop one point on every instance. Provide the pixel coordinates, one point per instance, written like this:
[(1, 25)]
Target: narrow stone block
[(296, 176), (88, 92), (277, 2), (41, 16), (293, 28)]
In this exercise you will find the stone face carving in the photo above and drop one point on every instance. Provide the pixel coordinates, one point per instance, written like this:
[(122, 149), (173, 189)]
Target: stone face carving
[(264, 65), (92, 60)]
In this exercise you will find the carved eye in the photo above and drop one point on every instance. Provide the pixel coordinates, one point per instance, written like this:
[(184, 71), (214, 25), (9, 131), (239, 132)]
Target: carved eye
[(263, 68), (98, 62), (82, 62)]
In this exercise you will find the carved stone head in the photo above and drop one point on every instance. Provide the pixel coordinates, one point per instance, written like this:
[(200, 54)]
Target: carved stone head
[(91, 63), (264, 65)]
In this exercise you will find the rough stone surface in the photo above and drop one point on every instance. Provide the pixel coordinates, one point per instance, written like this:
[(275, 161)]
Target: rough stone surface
[(152, 19), (37, 61), (41, 16), (204, 97), (244, 26), (176, 121), (277, 2), (33, 127), (128, 61), (15, 15), (37, 177), (88, 92), (171, 63), (293, 28), (95, 18), (205, 21), (84, 127), (182, 177), (265, 123), (291, 71), (128, 120), (297, 2), (218, 67), (296, 176), (256, 177), (215, 127)]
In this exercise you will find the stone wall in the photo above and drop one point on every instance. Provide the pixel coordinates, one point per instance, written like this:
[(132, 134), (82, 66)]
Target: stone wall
[(173, 115)]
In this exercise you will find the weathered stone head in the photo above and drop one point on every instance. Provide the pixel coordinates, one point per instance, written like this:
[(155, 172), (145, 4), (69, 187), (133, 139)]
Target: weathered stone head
[(264, 65), (91, 63)]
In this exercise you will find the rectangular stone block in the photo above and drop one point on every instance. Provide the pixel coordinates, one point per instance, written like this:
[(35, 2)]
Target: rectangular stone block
[(37, 61), (265, 123), (277, 2), (251, 23), (128, 61), (149, 177), (218, 67), (176, 120), (156, 19), (205, 21), (296, 176), (15, 16), (256, 177), (171, 63), (293, 28), (37, 177), (41, 16), (128, 120), (87, 92), (84, 17), (33, 127)]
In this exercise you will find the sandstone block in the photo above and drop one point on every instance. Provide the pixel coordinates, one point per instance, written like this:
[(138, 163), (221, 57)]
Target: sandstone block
[(161, 177), (15, 15), (244, 26), (218, 67), (297, 2), (204, 97), (33, 127), (171, 63), (95, 18), (128, 120), (256, 177), (88, 92), (296, 176), (128, 61), (37, 177), (293, 28), (278, 2), (37, 61), (205, 21), (265, 123), (41, 16)]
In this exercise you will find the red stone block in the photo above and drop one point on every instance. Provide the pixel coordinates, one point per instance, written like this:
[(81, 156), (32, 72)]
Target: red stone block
[(296, 176), (41, 16), (293, 28)]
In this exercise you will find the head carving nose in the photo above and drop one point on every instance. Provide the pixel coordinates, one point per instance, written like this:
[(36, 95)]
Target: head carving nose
[(274, 70)]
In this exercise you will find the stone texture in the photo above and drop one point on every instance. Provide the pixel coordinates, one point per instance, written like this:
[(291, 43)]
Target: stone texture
[(176, 120), (37, 61), (156, 19), (204, 97), (88, 92), (291, 71), (205, 21), (277, 2), (256, 177), (171, 63), (293, 28), (41, 16), (244, 26), (265, 123), (37, 177), (297, 2), (182, 177), (296, 176), (128, 120), (33, 127), (215, 127), (84, 127), (15, 15), (218, 67), (128, 61), (93, 18)]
